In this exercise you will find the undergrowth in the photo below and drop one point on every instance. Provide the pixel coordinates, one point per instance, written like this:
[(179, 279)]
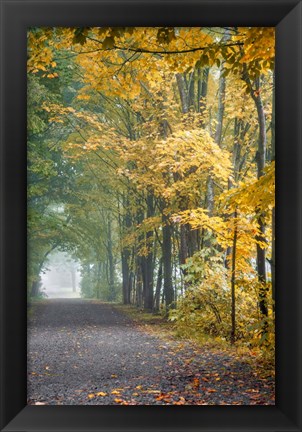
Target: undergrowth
[(260, 358)]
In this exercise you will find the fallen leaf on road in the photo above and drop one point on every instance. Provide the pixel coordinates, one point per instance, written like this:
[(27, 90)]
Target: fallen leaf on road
[(196, 382)]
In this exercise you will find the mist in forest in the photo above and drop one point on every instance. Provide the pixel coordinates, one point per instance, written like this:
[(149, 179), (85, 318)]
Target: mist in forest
[(62, 277)]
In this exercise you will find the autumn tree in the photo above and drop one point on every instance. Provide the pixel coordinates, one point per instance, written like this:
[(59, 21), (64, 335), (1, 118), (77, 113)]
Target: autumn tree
[(164, 179)]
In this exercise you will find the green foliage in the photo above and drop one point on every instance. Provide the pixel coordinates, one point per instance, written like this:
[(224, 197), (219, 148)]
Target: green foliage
[(88, 286), (95, 286)]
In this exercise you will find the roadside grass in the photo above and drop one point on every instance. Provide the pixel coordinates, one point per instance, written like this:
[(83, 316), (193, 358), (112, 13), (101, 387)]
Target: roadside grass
[(154, 323), (260, 359)]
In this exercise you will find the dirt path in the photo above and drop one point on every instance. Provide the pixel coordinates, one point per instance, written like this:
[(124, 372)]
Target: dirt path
[(82, 352)]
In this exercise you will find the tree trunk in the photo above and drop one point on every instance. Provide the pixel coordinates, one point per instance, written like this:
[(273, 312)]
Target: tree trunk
[(182, 93), (125, 255), (221, 106), (167, 262), (36, 284), (148, 262), (98, 280), (191, 91), (35, 288), (210, 194), (124, 225), (273, 260), (73, 279), (111, 264), (260, 157), (233, 280), (188, 237), (158, 286), (203, 78), (139, 285), (273, 211), (183, 247)]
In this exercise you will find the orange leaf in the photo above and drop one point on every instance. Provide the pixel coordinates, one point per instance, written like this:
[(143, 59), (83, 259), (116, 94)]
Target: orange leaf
[(196, 382)]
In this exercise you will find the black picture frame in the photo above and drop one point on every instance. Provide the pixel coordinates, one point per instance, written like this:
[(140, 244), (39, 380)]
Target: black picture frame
[(16, 17)]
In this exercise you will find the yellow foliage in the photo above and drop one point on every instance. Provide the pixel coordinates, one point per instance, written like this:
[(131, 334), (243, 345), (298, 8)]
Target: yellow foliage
[(254, 195)]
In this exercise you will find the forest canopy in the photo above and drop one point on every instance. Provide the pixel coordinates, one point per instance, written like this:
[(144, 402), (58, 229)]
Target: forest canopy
[(151, 161)]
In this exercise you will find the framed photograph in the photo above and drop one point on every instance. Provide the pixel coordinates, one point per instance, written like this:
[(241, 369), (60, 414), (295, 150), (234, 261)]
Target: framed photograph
[(149, 279)]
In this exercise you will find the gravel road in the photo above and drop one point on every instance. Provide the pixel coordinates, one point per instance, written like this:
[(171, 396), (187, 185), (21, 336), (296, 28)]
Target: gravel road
[(84, 352)]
